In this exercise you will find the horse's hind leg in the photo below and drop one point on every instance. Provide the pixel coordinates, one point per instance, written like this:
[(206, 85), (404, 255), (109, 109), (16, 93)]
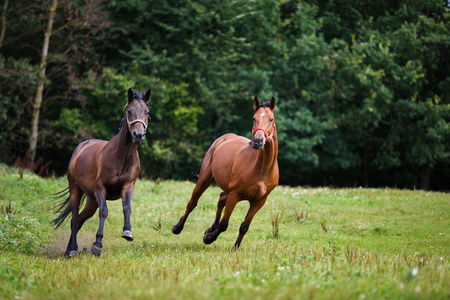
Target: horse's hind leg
[(231, 202), (204, 181), (75, 198), (100, 196), (220, 206), (254, 208), (88, 211)]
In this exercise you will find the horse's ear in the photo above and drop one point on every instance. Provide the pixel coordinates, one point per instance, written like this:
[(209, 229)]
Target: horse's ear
[(147, 96), (130, 95), (256, 103), (272, 104)]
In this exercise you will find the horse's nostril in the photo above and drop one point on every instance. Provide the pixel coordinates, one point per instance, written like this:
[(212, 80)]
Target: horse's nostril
[(258, 143), (138, 135)]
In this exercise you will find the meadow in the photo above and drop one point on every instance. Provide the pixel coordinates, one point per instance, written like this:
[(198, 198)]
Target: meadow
[(305, 243)]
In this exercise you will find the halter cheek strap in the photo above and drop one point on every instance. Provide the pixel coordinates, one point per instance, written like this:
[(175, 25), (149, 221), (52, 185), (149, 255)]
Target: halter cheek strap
[(268, 137), (136, 121)]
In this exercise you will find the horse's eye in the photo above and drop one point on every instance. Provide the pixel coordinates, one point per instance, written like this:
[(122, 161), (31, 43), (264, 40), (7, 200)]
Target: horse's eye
[(254, 119), (271, 120), (129, 112)]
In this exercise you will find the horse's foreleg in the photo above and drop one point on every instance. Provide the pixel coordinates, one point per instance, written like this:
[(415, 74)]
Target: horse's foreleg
[(231, 202), (220, 206), (203, 183), (253, 209), (126, 204), (100, 195)]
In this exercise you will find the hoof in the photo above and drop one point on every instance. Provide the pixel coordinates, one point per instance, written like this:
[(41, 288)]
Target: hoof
[(176, 229), (128, 235), (207, 239), (72, 253), (96, 250)]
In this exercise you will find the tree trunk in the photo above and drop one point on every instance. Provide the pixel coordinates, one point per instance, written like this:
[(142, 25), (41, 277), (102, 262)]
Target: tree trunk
[(2, 34), (41, 79)]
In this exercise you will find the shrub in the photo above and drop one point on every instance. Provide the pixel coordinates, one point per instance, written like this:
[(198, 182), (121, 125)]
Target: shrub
[(18, 230)]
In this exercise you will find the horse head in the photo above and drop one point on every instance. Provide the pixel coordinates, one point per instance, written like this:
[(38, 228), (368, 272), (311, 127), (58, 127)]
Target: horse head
[(263, 123), (137, 110)]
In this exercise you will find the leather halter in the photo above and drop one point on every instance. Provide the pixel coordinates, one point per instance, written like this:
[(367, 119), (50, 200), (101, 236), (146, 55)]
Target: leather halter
[(268, 137), (136, 121)]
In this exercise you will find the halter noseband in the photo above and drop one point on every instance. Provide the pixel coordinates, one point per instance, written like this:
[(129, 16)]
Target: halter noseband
[(268, 137), (136, 121)]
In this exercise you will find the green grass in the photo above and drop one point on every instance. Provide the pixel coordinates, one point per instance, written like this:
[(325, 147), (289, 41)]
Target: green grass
[(333, 243)]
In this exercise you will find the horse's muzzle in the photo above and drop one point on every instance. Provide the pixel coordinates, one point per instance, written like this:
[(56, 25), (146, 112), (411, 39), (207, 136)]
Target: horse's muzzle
[(137, 137), (258, 143)]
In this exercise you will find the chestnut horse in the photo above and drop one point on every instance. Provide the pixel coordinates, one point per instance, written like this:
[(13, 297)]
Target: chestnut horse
[(243, 169), (104, 170)]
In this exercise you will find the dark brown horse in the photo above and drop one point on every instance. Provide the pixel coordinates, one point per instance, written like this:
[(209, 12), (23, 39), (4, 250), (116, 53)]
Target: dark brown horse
[(104, 170), (243, 169)]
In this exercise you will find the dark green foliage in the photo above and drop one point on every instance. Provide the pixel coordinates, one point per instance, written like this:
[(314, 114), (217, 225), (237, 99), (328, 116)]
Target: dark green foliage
[(362, 88)]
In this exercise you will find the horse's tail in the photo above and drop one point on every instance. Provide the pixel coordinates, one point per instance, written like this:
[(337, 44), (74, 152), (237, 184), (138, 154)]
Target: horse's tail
[(195, 175), (63, 207)]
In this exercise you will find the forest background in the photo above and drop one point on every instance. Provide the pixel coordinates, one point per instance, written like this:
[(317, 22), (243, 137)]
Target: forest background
[(362, 87)]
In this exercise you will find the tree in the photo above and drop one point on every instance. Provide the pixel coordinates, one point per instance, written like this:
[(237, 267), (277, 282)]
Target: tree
[(389, 86), (3, 29), (41, 79), (77, 28)]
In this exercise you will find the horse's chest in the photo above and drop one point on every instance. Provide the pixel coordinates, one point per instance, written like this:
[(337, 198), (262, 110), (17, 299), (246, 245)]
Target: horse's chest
[(116, 182)]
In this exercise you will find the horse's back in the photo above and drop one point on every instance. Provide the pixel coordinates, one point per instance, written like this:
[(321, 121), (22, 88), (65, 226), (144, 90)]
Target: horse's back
[(87, 149), (230, 139), (82, 166), (227, 146)]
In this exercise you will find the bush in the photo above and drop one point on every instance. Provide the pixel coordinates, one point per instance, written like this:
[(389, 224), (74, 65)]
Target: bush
[(18, 230)]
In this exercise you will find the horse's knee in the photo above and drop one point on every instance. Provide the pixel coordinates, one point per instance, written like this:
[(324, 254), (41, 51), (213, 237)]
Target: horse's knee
[(126, 204), (103, 212)]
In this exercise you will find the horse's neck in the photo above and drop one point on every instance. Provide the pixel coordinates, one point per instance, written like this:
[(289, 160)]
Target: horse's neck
[(268, 156), (124, 148)]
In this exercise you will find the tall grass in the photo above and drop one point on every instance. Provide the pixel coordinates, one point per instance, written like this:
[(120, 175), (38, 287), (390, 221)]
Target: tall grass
[(378, 243)]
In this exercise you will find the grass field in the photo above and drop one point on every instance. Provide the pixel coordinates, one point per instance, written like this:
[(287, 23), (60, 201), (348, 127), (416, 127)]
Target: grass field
[(305, 243)]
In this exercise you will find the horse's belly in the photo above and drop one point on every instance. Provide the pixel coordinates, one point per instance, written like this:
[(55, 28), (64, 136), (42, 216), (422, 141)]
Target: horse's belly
[(224, 168)]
